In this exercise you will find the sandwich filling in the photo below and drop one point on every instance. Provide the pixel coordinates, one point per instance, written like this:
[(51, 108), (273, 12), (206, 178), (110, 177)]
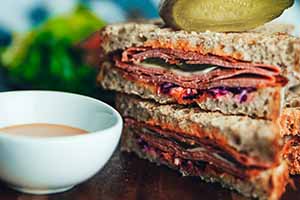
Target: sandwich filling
[(191, 76), (205, 163), (180, 149)]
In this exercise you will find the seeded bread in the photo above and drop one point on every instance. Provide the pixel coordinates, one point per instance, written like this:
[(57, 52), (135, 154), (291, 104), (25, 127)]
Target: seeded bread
[(263, 103), (266, 185), (259, 139), (292, 154), (290, 123), (290, 117), (290, 130), (279, 49)]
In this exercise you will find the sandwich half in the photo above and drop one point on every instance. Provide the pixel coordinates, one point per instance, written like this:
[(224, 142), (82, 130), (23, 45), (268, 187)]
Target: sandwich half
[(233, 73), (238, 152)]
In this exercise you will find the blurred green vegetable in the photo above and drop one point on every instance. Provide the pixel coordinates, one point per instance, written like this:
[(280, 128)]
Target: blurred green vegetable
[(46, 58)]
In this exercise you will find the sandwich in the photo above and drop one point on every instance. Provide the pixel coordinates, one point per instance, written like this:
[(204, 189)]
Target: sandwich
[(232, 73), (206, 104), (238, 152)]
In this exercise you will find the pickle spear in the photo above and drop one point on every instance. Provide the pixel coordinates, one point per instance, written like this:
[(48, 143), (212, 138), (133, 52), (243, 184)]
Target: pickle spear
[(221, 15)]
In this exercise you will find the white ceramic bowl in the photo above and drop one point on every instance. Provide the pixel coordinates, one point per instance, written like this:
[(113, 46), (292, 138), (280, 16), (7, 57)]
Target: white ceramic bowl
[(51, 165)]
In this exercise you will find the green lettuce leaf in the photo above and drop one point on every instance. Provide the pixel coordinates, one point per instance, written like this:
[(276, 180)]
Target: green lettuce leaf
[(47, 57)]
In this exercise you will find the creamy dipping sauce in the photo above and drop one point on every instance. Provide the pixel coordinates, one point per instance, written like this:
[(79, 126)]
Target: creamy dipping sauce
[(42, 130)]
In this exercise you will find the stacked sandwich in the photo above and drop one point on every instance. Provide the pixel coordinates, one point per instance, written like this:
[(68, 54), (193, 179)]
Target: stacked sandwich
[(206, 104)]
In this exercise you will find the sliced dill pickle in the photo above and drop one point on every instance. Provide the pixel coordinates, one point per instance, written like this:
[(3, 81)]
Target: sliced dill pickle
[(221, 15)]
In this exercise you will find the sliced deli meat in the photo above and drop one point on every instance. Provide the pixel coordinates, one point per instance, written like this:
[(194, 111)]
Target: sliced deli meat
[(194, 148), (213, 79), (196, 71), (173, 56)]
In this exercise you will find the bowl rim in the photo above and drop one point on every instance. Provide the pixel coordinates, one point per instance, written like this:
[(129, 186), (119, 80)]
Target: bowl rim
[(108, 130)]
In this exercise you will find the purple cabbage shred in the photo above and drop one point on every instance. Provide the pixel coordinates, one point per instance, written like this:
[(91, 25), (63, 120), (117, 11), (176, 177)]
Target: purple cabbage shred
[(191, 94), (165, 88)]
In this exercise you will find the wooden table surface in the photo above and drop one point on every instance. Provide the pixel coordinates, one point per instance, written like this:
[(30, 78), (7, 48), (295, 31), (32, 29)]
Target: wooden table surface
[(126, 177)]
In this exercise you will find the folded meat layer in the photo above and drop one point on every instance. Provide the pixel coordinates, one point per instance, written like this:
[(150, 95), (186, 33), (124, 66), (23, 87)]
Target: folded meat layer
[(205, 163), (214, 152), (193, 70), (212, 77), (176, 56)]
